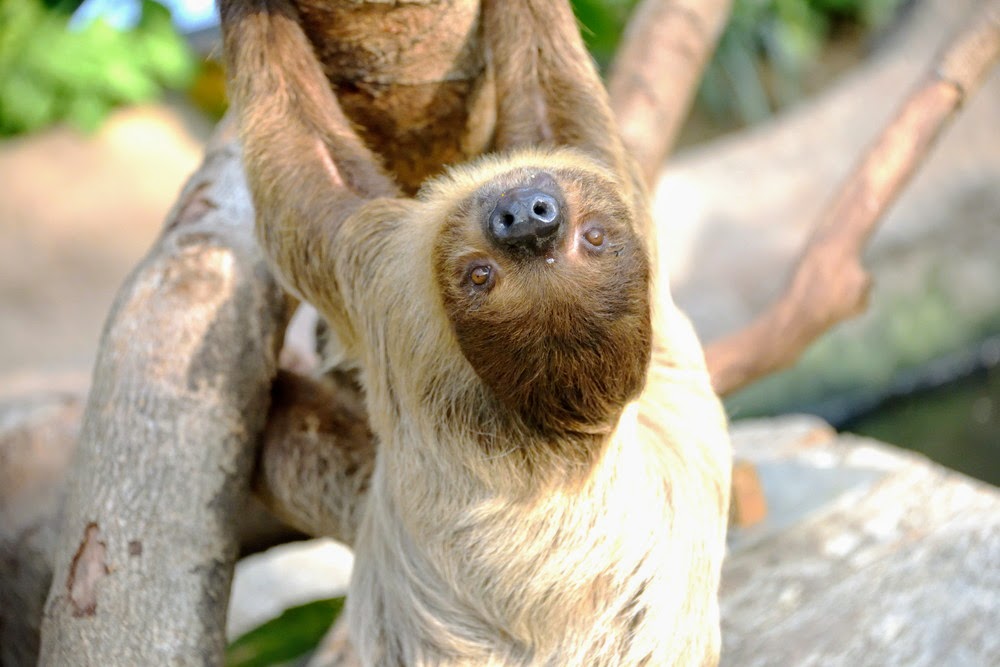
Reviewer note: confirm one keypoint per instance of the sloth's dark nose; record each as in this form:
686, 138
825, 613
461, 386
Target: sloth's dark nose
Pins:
526, 218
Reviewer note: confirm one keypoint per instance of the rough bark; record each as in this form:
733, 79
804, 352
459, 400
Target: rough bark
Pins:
36, 436
830, 284
874, 556
179, 397
656, 72
39, 425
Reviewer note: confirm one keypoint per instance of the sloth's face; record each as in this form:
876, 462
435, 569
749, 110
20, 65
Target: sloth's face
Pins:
547, 285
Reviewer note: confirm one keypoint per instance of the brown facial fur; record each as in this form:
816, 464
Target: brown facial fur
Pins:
563, 339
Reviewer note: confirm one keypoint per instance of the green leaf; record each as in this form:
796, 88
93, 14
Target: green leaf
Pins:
601, 24
154, 17
126, 83
64, 6
294, 633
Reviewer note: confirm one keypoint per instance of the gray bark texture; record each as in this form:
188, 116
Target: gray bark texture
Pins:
870, 555
37, 434
39, 427
180, 392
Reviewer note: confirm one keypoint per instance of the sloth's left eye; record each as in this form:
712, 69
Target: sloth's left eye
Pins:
480, 275
594, 236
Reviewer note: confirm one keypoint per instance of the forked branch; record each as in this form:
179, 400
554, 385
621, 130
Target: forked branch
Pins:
829, 283
656, 73
144, 559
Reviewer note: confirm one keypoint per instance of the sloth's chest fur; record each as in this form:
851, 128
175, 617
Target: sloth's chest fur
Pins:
588, 572
479, 547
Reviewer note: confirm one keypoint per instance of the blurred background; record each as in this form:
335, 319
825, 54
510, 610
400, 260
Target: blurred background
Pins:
105, 106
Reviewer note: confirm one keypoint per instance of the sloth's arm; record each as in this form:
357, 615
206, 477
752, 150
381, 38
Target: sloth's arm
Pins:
548, 89
307, 169
321, 208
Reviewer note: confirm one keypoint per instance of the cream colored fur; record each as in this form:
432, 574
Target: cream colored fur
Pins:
481, 542
468, 558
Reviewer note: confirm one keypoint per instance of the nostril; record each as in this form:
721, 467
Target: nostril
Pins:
507, 219
544, 209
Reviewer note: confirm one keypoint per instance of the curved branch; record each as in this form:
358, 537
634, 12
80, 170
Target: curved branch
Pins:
657, 70
179, 396
318, 455
829, 283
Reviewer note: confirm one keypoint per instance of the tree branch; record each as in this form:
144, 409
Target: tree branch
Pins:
36, 436
318, 455
179, 397
829, 283
316, 459
657, 70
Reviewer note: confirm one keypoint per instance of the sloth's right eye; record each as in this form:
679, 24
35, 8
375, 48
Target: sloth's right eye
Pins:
480, 275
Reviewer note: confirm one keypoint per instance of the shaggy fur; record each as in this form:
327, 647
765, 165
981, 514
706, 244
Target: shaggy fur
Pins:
552, 476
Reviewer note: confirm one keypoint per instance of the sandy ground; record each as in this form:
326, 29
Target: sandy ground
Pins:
76, 214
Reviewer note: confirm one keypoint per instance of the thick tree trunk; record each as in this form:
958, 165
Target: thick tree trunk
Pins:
39, 427
179, 397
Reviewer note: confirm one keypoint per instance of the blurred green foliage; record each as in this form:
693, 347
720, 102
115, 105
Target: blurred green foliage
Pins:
51, 71
297, 631
780, 38
602, 22
763, 53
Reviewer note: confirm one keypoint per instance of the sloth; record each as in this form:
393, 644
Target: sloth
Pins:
417, 113
551, 475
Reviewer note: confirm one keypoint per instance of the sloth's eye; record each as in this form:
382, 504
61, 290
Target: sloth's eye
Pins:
594, 236
480, 275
